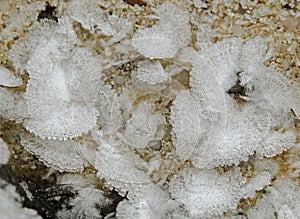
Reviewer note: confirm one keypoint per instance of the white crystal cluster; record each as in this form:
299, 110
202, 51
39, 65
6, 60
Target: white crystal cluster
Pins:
173, 149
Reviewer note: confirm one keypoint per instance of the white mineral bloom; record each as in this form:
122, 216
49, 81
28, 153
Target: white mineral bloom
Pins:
8, 79
121, 168
149, 202
87, 204
164, 39
62, 90
20, 18
186, 123
142, 126
92, 16
4, 152
232, 133
12, 105
282, 199
151, 73
206, 193
66, 155
11, 206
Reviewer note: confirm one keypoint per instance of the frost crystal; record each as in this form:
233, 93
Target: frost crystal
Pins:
94, 16
219, 62
275, 143
231, 133
282, 199
7, 78
186, 121
21, 18
4, 152
206, 193
154, 102
11, 206
61, 155
142, 126
59, 72
121, 168
150, 202
164, 39
87, 204
12, 105
272, 91
151, 73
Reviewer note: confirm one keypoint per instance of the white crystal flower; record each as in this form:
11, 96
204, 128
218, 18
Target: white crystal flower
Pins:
206, 193
63, 87
66, 155
4, 152
165, 38
151, 73
7, 78
11, 206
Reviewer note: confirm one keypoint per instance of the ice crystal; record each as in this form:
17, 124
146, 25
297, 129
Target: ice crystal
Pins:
87, 204
12, 105
164, 39
94, 16
147, 100
150, 202
233, 133
275, 143
273, 91
186, 126
121, 168
282, 199
205, 36
11, 206
61, 155
4, 152
7, 78
59, 72
142, 126
206, 193
151, 73
20, 18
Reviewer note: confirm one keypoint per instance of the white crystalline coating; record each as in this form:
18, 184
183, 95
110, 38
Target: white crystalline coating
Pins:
269, 85
62, 90
151, 73
87, 204
7, 78
275, 143
12, 105
205, 36
282, 199
142, 126
60, 155
164, 39
149, 202
186, 123
233, 133
206, 193
20, 18
4, 152
11, 206
214, 71
221, 61
94, 16
272, 90
229, 141
86, 12
120, 168
39, 35
104, 105
254, 53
